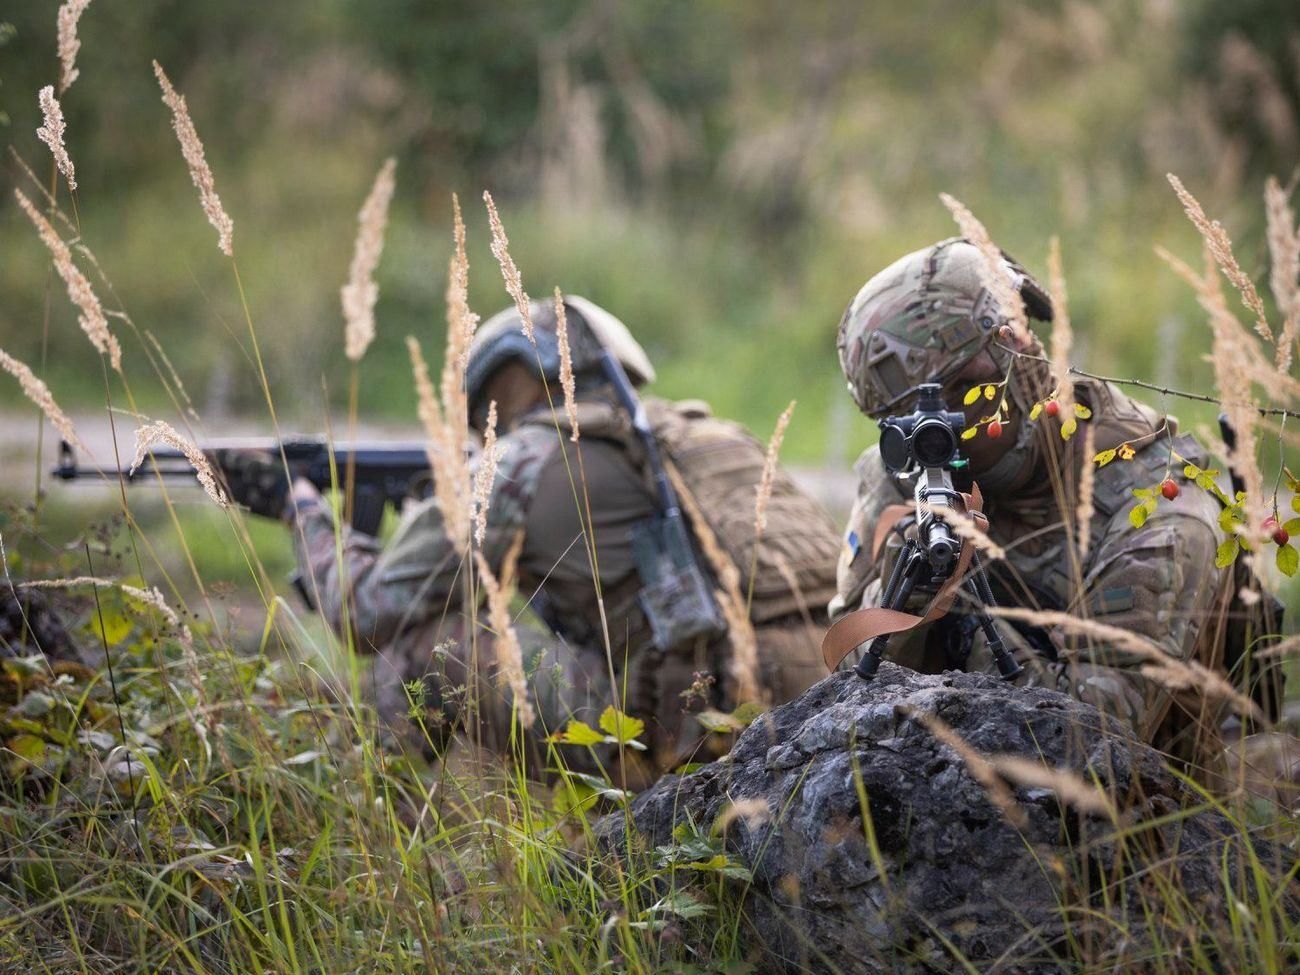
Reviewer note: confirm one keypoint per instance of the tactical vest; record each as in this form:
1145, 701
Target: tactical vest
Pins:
722, 466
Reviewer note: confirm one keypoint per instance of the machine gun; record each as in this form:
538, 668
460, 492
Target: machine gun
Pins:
924, 444
379, 473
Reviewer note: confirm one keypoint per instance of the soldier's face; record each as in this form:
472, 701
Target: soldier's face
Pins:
982, 451
516, 390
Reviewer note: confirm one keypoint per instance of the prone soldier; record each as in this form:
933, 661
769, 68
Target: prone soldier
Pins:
928, 318
406, 600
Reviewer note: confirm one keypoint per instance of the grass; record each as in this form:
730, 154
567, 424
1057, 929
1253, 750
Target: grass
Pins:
229, 808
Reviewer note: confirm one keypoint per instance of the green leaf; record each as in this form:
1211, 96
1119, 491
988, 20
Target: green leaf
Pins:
1104, 458
1205, 480
1295, 502
1288, 559
682, 904
1292, 526
972, 395
1227, 553
600, 786
1229, 519
1144, 492
1138, 516
577, 733
621, 727
1035, 410
1191, 471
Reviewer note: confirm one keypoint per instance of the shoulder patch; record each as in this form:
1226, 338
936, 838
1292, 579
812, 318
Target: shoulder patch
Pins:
852, 545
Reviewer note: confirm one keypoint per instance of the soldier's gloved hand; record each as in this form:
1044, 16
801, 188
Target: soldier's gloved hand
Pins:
303, 496
256, 480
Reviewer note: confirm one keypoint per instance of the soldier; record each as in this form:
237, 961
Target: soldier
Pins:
406, 600
928, 318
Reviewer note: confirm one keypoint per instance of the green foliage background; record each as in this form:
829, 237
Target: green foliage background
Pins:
723, 175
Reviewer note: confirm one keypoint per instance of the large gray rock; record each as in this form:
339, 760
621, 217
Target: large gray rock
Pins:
952, 876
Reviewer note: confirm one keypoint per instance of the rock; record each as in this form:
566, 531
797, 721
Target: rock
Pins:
30, 623
951, 875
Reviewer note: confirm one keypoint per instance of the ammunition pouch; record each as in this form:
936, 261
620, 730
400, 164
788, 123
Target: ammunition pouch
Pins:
675, 595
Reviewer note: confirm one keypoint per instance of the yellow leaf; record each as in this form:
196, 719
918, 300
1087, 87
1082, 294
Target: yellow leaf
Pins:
620, 726
111, 627
1126, 452
990, 392
1036, 409
969, 432
577, 733
1068, 428
1104, 458
1082, 412
1138, 516
971, 396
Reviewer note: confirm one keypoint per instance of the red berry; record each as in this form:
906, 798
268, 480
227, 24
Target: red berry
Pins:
1169, 489
995, 429
1275, 531
1052, 408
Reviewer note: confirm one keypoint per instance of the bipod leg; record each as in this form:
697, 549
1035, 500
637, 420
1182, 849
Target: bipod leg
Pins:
977, 583
907, 573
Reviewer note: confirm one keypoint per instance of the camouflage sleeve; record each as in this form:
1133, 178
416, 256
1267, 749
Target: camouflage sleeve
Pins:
1158, 581
418, 574
858, 573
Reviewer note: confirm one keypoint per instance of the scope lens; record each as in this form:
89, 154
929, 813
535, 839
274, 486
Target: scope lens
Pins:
933, 443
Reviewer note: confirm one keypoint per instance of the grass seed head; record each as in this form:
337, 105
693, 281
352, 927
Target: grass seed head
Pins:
1284, 267
763, 494
200, 172
68, 42
1220, 244
993, 269
36, 391
1062, 338
361, 292
567, 382
51, 133
160, 430
509, 654
92, 319
514, 282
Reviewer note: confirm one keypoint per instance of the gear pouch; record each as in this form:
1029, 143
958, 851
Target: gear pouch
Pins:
675, 595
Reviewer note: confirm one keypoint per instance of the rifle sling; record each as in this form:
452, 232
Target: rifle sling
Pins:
859, 627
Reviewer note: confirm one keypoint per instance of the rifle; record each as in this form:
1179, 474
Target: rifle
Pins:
380, 473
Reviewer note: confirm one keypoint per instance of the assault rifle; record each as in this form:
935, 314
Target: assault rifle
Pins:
379, 473
923, 444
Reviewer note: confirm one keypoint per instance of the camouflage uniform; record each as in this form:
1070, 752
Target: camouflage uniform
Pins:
405, 599
916, 320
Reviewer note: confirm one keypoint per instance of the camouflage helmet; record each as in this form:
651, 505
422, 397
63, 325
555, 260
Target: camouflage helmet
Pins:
591, 330
922, 319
